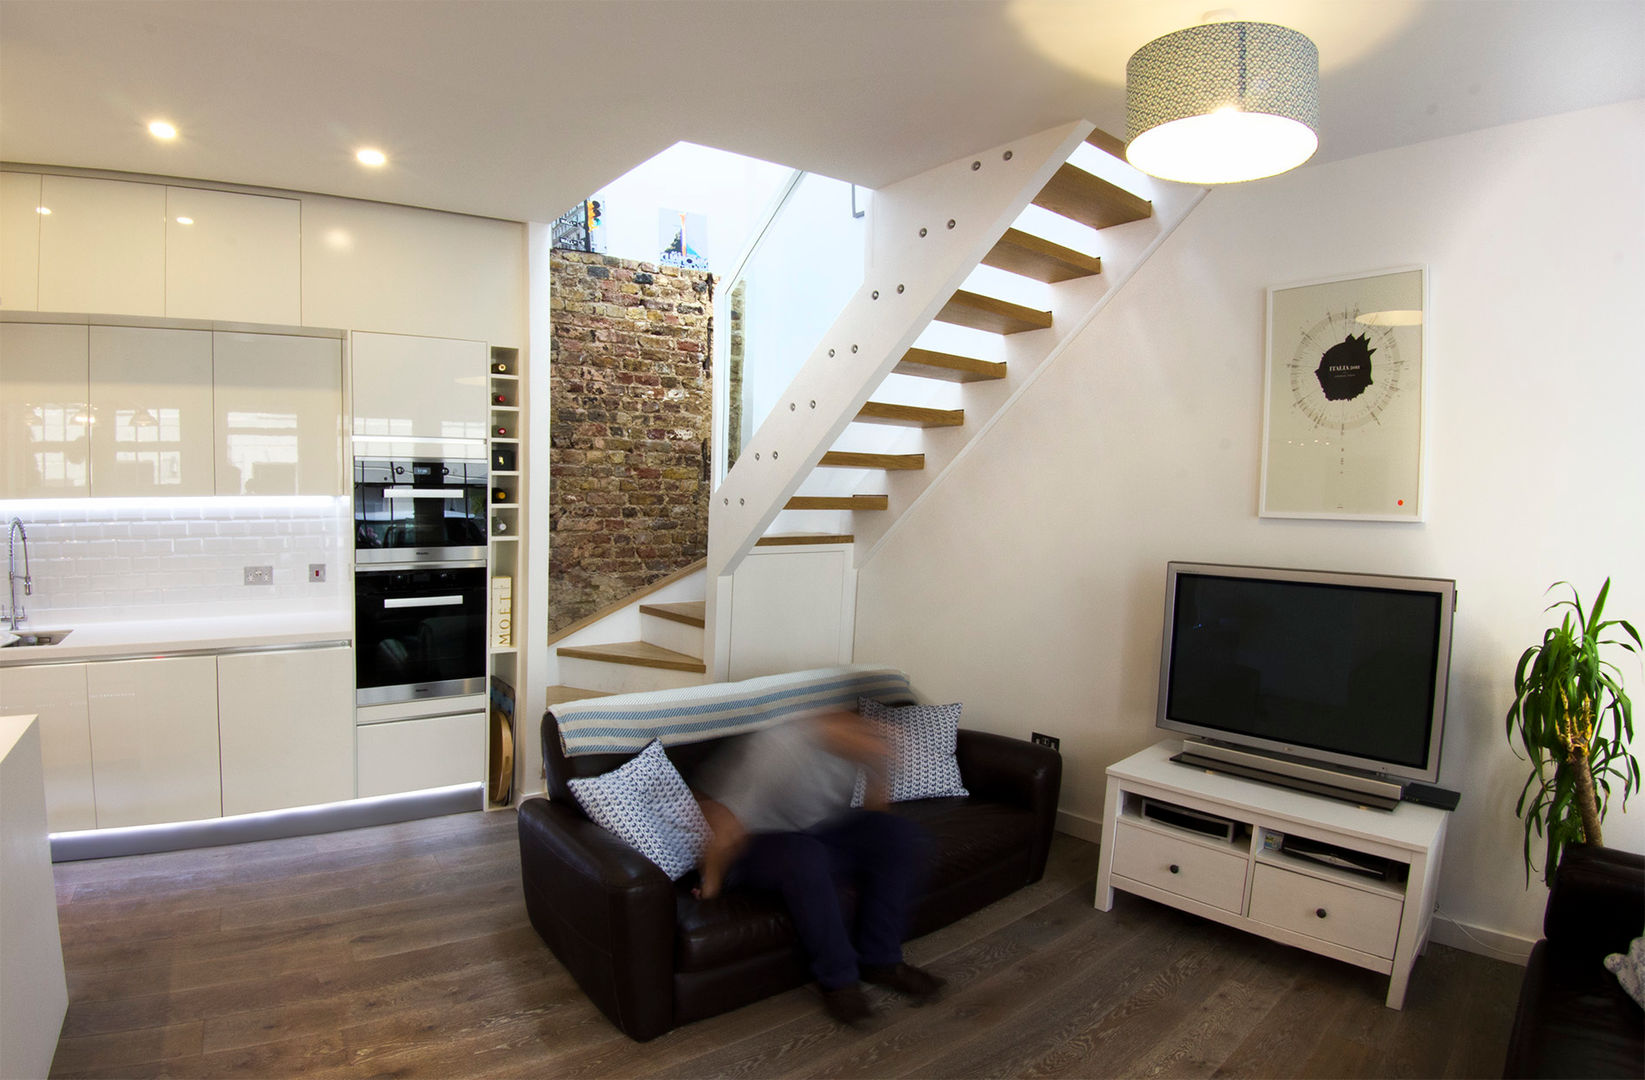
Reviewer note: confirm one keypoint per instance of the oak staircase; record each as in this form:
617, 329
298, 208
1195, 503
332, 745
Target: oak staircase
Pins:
932, 349
1072, 193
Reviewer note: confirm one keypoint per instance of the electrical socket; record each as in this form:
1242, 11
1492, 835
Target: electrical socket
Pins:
316, 571
1050, 741
259, 575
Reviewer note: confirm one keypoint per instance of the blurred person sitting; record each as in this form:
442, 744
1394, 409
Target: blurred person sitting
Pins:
779, 804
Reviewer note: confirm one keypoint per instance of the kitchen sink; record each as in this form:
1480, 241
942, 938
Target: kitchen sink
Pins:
35, 637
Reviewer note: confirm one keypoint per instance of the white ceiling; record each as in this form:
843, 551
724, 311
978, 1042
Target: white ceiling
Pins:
518, 108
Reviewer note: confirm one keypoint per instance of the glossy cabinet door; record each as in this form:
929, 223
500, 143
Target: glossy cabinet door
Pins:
154, 751
413, 755
420, 396
279, 414
286, 725
152, 412
103, 246
233, 257
45, 425
20, 241
57, 694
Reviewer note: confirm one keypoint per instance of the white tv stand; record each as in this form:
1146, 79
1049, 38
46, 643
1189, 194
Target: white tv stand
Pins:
1239, 880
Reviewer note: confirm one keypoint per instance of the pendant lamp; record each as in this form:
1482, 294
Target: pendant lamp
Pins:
1222, 102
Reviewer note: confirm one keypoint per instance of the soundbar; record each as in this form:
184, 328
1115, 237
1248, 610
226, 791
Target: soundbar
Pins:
1297, 775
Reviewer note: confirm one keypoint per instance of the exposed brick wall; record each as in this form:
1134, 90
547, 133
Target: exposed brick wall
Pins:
629, 390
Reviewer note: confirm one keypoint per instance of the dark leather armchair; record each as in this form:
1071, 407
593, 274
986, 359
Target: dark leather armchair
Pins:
1574, 1019
652, 956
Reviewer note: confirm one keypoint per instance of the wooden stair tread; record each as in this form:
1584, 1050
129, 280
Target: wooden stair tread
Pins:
689, 612
1108, 144
800, 539
1091, 200
992, 314
838, 502
950, 367
1038, 258
884, 412
848, 459
636, 653
559, 695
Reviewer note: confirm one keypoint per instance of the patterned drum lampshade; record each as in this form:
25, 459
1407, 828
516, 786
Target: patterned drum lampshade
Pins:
1222, 102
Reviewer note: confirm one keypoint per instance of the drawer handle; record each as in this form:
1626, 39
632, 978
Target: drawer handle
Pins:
1319, 912
1175, 869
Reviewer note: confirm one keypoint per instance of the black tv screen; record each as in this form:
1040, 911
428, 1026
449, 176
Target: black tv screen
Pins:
1347, 669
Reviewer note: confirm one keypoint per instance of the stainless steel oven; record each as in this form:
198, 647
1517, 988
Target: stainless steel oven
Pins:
420, 632
419, 510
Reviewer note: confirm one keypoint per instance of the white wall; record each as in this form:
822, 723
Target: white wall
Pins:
1029, 585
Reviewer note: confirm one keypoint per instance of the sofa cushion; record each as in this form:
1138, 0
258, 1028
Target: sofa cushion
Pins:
646, 803
969, 836
736, 924
922, 749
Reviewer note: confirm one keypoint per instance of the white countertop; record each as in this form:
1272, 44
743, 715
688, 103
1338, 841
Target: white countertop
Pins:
158, 637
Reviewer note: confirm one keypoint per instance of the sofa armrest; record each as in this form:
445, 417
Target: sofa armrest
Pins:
1016, 772
1595, 903
605, 910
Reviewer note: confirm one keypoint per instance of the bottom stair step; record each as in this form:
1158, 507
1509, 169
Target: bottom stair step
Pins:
637, 654
559, 695
796, 539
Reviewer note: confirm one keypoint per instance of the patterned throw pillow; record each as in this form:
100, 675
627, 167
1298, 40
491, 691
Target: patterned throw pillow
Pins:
922, 748
645, 802
1629, 969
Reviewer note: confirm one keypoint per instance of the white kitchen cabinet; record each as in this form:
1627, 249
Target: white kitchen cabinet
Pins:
154, 752
103, 246
20, 241
152, 411
286, 726
57, 694
421, 396
395, 269
279, 414
411, 755
233, 257
44, 424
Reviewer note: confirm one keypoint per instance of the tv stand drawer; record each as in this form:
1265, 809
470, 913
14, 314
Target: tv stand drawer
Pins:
1180, 866
1352, 918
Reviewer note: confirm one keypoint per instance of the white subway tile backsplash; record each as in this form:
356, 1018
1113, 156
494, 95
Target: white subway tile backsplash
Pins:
97, 561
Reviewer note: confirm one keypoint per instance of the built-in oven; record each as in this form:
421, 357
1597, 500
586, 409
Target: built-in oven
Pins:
420, 632
419, 510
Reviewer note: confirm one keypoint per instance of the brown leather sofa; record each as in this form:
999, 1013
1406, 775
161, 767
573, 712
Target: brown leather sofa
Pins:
652, 956
1574, 1018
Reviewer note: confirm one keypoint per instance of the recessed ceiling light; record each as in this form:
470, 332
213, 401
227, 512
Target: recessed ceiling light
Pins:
185, 221
42, 209
162, 130
371, 157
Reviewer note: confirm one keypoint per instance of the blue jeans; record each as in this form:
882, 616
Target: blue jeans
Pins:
881, 855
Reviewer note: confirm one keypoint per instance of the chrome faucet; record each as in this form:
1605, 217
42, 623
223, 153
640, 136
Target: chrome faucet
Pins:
13, 534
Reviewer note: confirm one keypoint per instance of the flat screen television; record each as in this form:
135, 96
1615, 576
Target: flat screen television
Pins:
1346, 670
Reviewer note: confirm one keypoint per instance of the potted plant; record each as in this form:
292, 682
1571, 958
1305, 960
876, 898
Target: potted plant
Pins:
1574, 721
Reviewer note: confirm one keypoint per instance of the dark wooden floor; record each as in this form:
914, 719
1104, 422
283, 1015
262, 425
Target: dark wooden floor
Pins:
405, 951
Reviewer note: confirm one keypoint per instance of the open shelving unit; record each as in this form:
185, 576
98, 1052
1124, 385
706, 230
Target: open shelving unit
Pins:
506, 557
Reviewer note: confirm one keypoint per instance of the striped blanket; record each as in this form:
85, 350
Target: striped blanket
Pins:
625, 723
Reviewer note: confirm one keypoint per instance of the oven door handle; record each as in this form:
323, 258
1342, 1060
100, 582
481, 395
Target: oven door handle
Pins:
422, 601
423, 493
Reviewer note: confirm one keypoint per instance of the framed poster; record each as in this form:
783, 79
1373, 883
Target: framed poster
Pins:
1344, 414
